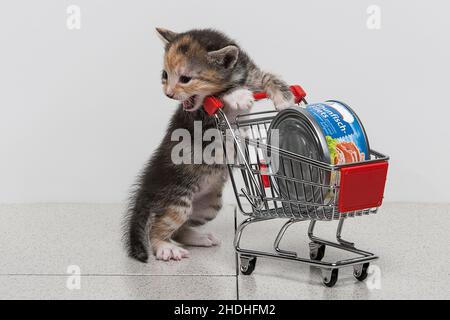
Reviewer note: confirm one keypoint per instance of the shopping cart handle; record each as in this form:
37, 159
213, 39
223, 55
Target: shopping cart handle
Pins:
212, 104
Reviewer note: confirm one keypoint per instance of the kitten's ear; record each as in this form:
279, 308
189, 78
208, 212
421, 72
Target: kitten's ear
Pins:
226, 57
165, 35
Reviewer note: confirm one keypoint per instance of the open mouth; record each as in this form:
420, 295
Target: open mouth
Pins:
189, 103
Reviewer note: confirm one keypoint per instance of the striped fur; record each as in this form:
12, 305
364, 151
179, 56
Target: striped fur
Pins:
170, 200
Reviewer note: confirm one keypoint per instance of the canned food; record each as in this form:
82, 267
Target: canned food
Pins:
344, 133
329, 132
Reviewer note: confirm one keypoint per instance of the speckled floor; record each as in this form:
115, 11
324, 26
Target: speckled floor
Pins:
43, 246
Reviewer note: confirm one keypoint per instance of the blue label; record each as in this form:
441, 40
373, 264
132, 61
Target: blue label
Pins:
344, 135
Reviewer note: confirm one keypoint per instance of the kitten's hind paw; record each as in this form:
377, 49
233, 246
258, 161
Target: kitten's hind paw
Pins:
204, 240
191, 237
240, 99
168, 251
214, 240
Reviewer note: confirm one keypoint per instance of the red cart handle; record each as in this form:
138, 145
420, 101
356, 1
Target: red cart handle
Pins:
212, 104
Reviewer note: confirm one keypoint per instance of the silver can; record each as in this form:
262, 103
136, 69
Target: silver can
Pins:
328, 132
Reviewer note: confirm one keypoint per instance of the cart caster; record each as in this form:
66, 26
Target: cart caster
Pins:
247, 265
330, 277
360, 271
316, 251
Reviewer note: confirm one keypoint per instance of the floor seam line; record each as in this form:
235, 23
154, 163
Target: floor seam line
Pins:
115, 275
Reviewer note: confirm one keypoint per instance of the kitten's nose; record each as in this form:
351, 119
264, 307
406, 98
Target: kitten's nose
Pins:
170, 95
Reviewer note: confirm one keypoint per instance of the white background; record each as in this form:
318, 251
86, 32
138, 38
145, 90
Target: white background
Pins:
82, 110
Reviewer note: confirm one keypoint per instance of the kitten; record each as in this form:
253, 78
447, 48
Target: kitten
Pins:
169, 199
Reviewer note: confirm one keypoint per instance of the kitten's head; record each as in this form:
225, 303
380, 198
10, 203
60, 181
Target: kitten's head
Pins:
197, 64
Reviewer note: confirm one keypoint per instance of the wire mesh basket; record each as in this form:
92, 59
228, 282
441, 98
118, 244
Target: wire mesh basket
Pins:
275, 183
300, 188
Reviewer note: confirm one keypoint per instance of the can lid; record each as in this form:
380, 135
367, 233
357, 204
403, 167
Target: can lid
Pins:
299, 133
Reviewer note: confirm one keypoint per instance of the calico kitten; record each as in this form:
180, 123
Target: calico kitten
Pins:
169, 199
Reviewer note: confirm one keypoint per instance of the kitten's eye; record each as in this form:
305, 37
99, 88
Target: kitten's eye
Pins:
164, 75
185, 79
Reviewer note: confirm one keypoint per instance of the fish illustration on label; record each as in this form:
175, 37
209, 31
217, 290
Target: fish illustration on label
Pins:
343, 131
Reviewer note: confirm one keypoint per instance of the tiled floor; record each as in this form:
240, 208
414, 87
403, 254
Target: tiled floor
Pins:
39, 242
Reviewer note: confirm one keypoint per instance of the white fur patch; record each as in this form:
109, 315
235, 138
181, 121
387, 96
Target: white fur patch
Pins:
281, 103
168, 251
240, 99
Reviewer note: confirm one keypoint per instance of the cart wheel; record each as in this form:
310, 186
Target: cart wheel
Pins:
330, 278
247, 265
317, 251
360, 272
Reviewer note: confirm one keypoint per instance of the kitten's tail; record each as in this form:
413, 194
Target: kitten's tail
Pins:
135, 233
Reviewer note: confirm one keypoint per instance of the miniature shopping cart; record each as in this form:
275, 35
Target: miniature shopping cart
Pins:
337, 192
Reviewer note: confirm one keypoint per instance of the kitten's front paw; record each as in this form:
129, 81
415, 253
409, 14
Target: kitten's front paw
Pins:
282, 104
240, 99
168, 251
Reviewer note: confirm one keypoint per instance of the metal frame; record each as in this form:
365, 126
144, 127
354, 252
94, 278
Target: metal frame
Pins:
266, 203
